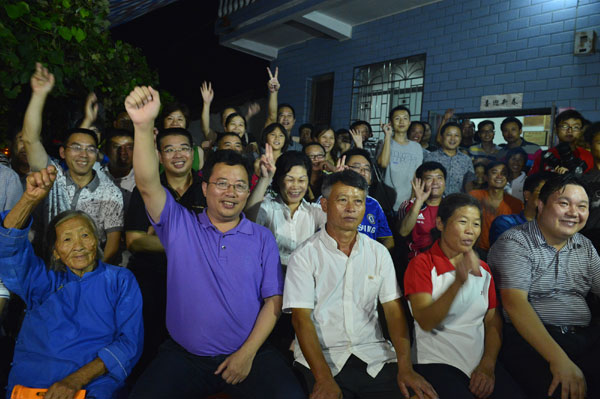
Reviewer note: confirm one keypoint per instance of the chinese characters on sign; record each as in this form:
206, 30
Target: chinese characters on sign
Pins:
501, 101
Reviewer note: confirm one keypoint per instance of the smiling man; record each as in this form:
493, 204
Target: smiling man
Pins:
545, 269
494, 202
224, 278
458, 165
333, 283
79, 187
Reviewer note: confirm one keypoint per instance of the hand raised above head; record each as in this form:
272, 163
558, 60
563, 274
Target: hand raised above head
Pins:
267, 163
207, 92
91, 107
273, 83
42, 81
40, 183
142, 105
357, 138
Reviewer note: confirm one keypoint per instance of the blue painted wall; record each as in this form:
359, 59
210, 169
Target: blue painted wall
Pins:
473, 48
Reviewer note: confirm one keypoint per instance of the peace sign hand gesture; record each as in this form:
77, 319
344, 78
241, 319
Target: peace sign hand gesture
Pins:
273, 83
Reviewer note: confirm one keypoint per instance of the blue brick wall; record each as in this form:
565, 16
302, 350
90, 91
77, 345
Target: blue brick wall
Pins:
472, 48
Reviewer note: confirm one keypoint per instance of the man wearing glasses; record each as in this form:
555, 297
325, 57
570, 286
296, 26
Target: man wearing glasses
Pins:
224, 279
569, 128
79, 187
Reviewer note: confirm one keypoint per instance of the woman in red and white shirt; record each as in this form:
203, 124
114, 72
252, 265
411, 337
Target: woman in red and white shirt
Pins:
458, 329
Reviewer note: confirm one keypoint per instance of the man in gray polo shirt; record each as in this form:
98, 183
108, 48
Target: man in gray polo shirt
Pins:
544, 270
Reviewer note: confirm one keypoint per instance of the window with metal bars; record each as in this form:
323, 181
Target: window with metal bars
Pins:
377, 88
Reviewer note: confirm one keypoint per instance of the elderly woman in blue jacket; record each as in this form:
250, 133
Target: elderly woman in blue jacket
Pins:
83, 328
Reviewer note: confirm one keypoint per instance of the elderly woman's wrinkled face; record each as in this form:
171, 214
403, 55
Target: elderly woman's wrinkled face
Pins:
76, 245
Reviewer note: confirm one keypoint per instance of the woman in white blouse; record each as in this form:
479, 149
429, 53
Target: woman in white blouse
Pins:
288, 215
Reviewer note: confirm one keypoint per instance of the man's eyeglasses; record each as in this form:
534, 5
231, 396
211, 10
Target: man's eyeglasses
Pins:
76, 148
574, 129
172, 150
224, 185
314, 157
360, 169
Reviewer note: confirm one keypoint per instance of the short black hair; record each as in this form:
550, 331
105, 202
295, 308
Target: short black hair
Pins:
356, 124
169, 108
591, 131
228, 157
452, 202
221, 136
306, 126
516, 151
311, 144
493, 164
398, 108
174, 131
511, 119
81, 130
233, 115
449, 125
358, 151
112, 133
347, 177
285, 163
532, 181
320, 130
428, 167
270, 129
568, 114
414, 123
283, 105
486, 122
558, 182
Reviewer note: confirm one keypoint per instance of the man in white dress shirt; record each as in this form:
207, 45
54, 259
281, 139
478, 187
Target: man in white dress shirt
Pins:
333, 284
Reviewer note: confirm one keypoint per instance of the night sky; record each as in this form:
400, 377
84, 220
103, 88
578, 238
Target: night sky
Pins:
178, 41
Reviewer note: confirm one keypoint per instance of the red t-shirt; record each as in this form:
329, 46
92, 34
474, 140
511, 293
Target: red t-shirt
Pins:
421, 233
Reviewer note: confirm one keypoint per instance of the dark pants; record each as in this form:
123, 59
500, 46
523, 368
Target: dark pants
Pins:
451, 383
532, 371
176, 373
355, 383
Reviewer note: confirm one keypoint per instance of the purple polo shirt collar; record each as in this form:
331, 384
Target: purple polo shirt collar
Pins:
243, 226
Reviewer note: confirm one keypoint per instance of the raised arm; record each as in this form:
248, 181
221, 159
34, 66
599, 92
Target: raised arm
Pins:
91, 111
383, 160
142, 105
267, 171
273, 86
422, 192
38, 186
207, 97
325, 386
42, 83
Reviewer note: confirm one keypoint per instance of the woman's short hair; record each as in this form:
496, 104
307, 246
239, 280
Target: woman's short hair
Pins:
285, 163
53, 262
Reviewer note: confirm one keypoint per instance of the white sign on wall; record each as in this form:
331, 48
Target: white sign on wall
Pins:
501, 101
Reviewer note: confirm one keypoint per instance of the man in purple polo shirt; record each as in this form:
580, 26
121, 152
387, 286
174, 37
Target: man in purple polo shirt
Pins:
224, 280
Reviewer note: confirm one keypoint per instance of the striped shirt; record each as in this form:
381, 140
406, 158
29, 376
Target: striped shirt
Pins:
557, 282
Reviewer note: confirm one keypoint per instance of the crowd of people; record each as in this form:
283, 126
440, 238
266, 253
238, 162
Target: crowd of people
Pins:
274, 265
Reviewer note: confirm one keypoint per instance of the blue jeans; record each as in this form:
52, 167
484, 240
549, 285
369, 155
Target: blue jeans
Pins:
176, 373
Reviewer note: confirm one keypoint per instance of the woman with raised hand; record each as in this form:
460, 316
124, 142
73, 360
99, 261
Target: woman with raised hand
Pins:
288, 215
458, 329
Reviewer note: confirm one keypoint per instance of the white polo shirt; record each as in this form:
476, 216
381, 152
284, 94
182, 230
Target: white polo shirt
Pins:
290, 231
343, 292
459, 339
